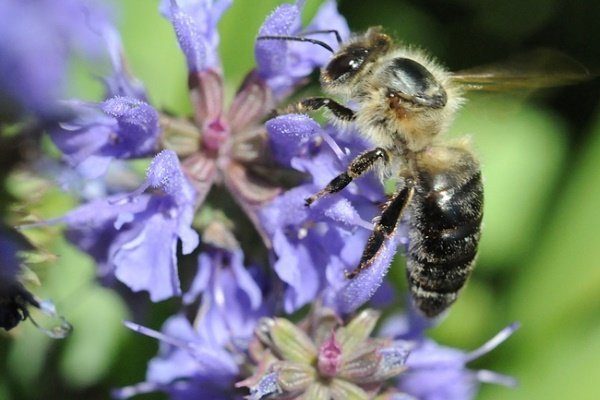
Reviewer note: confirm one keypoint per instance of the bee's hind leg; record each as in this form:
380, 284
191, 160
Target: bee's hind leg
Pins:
357, 167
384, 228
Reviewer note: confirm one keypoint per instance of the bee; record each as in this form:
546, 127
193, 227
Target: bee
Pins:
404, 102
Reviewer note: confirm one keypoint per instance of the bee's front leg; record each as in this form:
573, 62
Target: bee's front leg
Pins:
316, 103
339, 111
357, 167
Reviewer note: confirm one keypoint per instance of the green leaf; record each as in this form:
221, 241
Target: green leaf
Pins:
27, 357
94, 343
4, 393
566, 368
561, 283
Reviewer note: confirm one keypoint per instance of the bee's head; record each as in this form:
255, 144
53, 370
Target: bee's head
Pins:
351, 60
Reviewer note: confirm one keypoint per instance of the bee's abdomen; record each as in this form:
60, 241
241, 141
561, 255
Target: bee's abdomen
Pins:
444, 230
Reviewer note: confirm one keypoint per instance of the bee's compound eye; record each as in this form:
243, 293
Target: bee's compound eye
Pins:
346, 63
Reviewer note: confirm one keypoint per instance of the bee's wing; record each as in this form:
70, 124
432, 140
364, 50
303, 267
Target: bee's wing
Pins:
538, 69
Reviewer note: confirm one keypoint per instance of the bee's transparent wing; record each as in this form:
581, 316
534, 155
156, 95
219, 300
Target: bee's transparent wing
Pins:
535, 70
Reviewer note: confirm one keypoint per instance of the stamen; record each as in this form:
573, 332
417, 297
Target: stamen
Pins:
129, 391
486, 376
39, 224
334, 146
493, 342
364, 224
158, 335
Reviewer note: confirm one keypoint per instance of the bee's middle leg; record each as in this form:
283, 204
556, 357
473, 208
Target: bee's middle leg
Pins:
357, 167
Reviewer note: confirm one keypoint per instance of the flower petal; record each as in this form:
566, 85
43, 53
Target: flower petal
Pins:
360, 289
289, 135
191, 41
195, 24
145, 259
271, 54
165, 173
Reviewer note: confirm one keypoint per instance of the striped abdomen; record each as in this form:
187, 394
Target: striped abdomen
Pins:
444, 229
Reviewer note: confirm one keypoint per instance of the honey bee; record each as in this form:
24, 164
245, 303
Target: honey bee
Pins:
404, 101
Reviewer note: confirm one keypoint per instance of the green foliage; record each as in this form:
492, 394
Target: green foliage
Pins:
93, 347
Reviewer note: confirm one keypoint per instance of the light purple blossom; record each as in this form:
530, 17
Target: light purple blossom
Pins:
436, 372
187, 366
38, 39
232, 300
120, 127
284, 64
195, 24
200, 361
135, 237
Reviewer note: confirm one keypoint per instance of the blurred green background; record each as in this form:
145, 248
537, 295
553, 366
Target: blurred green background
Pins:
540, 252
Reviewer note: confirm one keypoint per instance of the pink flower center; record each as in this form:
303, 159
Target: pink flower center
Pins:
215, 134
330, 357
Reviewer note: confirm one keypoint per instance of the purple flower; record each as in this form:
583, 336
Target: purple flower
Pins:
38, 38
436, 372
283, 64
120, 127
187, 367
315, 245
200, 361
135, 237
195, 24
231, 141
231, 299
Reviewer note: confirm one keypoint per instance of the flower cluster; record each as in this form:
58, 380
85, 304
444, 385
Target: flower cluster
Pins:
241, 340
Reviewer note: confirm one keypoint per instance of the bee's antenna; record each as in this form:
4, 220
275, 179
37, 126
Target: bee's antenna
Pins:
334, 31
297, 39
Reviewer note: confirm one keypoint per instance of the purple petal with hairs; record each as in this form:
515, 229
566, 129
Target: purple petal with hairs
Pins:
359, 290
289, 135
